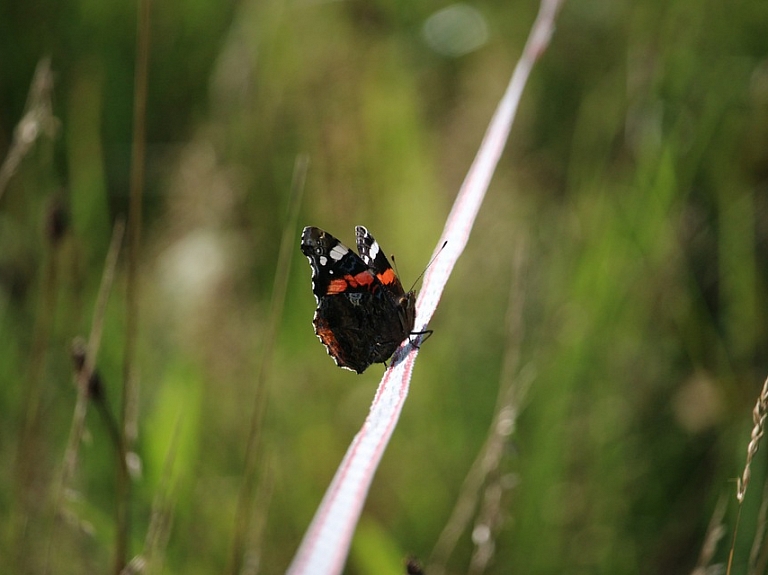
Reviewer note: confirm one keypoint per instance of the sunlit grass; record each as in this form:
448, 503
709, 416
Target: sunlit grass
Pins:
636, 176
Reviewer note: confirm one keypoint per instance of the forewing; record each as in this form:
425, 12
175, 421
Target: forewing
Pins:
335, 268
373, 256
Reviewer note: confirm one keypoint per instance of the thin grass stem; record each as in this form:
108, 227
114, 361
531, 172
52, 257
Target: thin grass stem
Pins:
253, 453
759, 415
512, 390
38, 119
83, 375
128, 413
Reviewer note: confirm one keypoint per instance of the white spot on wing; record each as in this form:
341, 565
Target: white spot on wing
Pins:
338, 252
323, 261
374, 251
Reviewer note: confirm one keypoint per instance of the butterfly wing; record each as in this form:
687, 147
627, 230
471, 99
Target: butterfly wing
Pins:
335, 268
373, 256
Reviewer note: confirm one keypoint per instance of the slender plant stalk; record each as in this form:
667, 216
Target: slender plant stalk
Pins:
715, 532
150, 561
27, 465
759, 415
82, 378
756, 562
253, 453
38, 119
512, 390
130, 385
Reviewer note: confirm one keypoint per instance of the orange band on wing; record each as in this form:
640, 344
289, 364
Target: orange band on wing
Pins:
340, 285
336, 286
388, 277
361, 279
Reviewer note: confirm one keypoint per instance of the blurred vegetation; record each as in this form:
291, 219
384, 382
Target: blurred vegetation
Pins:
636, 180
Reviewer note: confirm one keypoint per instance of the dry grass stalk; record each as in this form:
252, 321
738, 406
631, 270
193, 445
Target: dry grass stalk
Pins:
90, 352
152, 558
484, 484
254, 451
85, 356
757, 555
715, 532
130, 389
38, 119
759, 415
29, 457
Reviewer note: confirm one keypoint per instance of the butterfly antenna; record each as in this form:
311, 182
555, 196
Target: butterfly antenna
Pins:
445, 243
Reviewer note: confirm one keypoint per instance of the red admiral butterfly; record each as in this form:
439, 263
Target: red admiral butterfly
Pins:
363, 313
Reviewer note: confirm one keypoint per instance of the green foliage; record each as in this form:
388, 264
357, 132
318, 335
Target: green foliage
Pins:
635, 180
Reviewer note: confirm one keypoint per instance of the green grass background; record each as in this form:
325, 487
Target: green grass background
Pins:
636, 179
